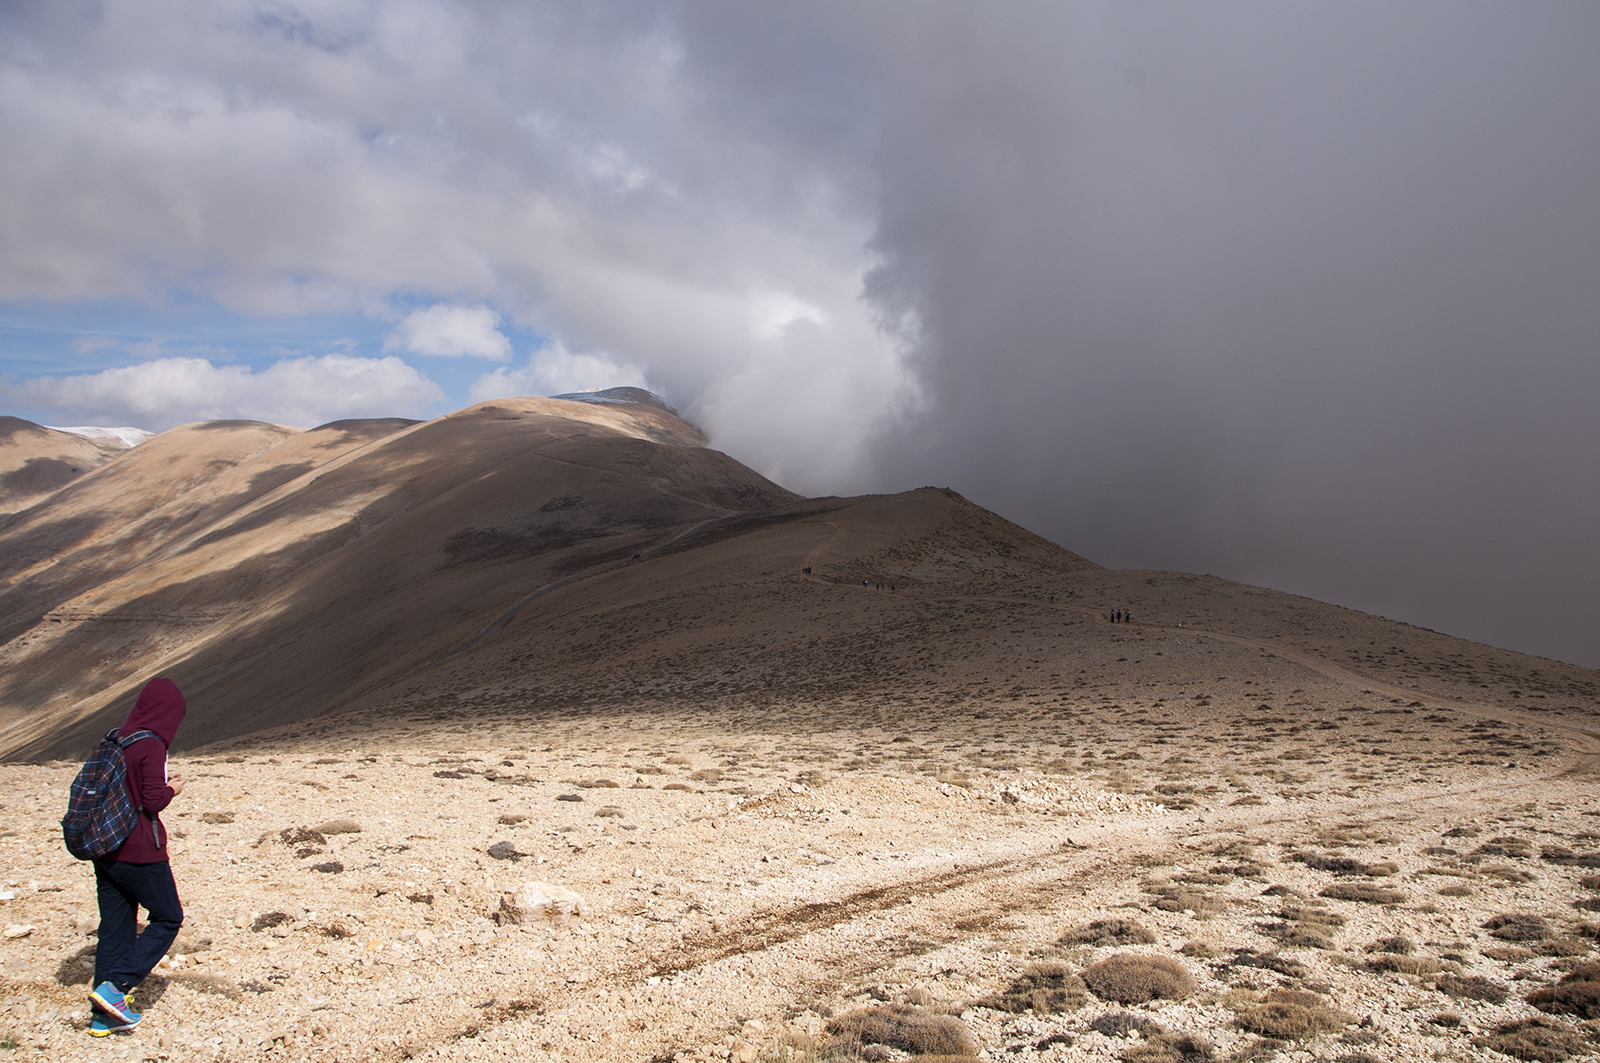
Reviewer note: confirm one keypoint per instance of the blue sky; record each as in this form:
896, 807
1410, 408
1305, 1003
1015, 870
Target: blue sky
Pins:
79, 339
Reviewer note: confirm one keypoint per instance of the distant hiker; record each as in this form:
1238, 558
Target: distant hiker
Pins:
1127, 617
137, 875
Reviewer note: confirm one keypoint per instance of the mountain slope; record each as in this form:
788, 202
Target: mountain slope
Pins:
35, 461
274, 571
537, 558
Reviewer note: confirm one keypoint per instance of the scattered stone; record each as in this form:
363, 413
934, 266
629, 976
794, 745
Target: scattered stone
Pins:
338, 826
505, 851
541, 902
329, 867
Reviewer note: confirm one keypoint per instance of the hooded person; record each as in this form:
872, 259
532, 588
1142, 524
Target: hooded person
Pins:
138, 875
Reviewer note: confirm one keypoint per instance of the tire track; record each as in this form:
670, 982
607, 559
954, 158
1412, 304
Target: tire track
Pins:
768, 931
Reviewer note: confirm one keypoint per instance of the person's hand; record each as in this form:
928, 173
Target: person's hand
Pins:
176, 782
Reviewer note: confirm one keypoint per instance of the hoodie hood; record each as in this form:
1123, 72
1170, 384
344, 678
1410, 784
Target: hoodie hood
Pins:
160, 708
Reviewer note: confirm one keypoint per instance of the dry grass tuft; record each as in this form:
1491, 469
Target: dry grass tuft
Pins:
1361, 891
1124, 1023
1590, 882
1269, 961
1535, 1040
1472, 987
1166, 1048
1415, 966
1129, 979
1183, 899
1292, 1015
1512, 926
1046, 988
1106, 933
1578, 993
902, 1026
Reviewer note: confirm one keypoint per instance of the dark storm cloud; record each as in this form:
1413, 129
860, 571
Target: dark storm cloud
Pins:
1302, 295
1297, 294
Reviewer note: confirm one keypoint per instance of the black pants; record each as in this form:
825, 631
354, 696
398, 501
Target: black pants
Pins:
122, 958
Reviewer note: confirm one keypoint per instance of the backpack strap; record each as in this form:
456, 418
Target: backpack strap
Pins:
139, 735
124, 743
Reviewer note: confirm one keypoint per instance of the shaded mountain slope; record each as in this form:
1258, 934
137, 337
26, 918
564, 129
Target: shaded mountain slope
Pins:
274, 571
35, 461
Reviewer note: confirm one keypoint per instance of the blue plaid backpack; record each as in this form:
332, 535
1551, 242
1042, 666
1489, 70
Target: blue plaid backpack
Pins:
100, 812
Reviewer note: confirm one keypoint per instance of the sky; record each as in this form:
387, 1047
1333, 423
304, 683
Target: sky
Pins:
1300, 294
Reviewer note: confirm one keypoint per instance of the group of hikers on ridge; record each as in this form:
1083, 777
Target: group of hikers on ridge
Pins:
1121, 616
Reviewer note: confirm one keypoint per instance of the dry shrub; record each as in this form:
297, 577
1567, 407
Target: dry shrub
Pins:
1505, 845
907, 1028
1047, 988
1509, 873
1201, 949
1578, 993
1340, 864
1472, 987
1124, 1023
1412, 965
268, 920
1166, 1048
1562, 946
1312, 915
1590, 882
1269, 961
1129, 979
1535, 1040
1180, 899
1511, 926
1361, 891
1560, 854
1292, 1015
1459, 889
1258, 1051
1295, 936
1587, 904
1106, 933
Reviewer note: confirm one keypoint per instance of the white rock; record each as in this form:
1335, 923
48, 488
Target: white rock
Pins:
17, 930
535, 902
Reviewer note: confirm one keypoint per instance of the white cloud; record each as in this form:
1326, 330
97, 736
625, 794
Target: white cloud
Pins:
554, 370
619, 180
451, 331
171, 391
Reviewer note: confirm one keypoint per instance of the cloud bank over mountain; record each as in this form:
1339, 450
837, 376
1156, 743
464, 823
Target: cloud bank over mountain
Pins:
1299, 295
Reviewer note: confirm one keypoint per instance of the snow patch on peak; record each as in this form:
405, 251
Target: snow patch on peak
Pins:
120, 438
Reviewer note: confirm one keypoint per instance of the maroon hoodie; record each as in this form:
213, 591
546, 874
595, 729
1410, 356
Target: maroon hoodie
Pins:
160, 708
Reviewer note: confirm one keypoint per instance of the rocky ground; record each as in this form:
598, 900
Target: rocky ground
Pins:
1320, 872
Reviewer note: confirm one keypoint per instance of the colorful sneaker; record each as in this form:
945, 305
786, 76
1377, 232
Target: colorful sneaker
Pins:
109, 999
100, 1025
